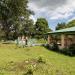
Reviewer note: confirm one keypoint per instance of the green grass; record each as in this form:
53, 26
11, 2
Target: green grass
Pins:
55, 64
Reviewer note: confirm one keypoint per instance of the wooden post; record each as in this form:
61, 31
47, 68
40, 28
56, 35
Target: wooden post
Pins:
74, 39
49, 39
63, 41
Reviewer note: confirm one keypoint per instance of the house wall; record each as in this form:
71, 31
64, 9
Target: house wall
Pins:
65, 39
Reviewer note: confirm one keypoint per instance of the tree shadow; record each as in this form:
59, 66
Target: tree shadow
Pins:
64, 51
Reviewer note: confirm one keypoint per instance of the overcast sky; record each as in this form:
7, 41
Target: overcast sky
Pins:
53, 10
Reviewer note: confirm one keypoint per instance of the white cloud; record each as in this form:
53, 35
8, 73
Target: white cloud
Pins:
32, 17
53, 9
64, 11
61, 13
48, 3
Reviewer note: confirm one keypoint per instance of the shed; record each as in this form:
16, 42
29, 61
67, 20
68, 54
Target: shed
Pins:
64, 37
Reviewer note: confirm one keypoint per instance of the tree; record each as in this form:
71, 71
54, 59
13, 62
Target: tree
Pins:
60, 26
70, 24
41, 27
27, 27
63, 25
11, 14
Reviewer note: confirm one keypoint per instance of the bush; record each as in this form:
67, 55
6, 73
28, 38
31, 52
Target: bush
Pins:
67, 51
46, 45
71, 50
64, 51
29, 72
55, 47
40, 60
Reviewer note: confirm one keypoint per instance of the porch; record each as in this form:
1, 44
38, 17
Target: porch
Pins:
63, 38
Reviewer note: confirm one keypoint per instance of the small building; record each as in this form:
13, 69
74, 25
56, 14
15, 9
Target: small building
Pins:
64, 37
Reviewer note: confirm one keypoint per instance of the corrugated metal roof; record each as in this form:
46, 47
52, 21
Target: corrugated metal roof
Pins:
71, 29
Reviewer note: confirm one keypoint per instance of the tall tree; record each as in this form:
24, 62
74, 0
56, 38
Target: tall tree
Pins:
28, 27
63, 25
71, 23
41, 26
12, 12
60, 26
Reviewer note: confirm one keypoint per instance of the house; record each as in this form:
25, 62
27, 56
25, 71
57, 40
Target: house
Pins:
64, 37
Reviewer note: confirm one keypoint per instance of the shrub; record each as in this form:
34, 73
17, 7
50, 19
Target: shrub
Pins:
64, 51
40, 60
29, 72
71, 50
55, 47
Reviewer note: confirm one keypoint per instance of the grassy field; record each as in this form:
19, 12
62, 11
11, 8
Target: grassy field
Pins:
20, 61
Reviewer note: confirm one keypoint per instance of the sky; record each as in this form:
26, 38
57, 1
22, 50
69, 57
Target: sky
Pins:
55, 11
